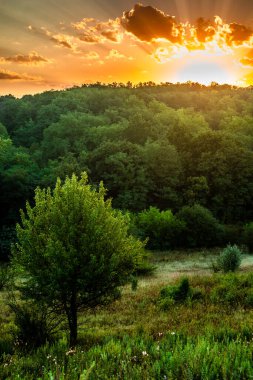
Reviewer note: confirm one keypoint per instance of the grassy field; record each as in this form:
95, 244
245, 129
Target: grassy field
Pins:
134, 338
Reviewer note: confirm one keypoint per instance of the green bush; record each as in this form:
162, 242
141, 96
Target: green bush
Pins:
33, 326
174, 293
162, 228
247, 236
230, 259
233, 290
202, 229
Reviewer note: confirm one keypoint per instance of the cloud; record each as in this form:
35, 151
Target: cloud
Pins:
238, 34
148, 23
82, 25
95, 31
31, 59
90, 38
115, 54
248, 59
59, 39
205, 30
10, 75
92, 55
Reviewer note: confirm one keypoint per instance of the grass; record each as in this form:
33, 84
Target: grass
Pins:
112, 336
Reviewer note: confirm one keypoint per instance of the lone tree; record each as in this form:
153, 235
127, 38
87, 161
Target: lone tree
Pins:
74, 249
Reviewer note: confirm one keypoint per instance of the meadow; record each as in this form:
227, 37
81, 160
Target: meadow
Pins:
209, 337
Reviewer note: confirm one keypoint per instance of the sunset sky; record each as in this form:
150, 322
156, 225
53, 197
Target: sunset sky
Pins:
53, 44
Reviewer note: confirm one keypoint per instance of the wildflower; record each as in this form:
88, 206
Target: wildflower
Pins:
144, 353
173, 333
71, 352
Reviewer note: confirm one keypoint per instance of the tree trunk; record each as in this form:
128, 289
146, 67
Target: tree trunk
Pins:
72, 320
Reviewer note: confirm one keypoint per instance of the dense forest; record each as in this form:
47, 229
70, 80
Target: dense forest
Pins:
160, 146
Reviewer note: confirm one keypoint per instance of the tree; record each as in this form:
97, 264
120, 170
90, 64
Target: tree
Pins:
74, 249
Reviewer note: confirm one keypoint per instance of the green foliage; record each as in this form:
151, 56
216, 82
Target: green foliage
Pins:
5, 276
247, 236
230, 259
130, 358
162, 228
33, 327
233, 291
74, 249
174, 293
202, 229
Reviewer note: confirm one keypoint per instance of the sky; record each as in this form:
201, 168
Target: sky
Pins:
56, 44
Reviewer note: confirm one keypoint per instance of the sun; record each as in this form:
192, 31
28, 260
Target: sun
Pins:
204, 71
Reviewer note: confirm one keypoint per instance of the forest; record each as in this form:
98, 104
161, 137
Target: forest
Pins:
167, 147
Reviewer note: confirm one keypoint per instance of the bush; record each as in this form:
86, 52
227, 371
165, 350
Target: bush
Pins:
202, 229
233, 290
248, 236
230, 259
33, 326
174, 293
162, 228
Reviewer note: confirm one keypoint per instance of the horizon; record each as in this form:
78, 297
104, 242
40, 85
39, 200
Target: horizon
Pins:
211, 85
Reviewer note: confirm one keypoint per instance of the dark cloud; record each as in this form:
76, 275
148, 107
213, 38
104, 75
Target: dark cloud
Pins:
61, 41
111, 35
205, 29
148, 23
9, 75
29, 59
238, 34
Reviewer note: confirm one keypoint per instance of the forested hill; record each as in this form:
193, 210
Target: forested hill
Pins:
163, 146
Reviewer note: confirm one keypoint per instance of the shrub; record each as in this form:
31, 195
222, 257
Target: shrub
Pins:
248, 236
202, 229
33, 326
162, 228
233, 290
174, 293
230, 259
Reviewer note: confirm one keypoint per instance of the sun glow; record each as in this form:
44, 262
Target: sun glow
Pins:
204, 71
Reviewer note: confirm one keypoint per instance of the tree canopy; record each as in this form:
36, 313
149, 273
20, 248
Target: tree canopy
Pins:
74, 249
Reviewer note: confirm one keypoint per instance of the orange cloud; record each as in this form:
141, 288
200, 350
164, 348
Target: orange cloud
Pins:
205, 30
95, 31
248, 59
10, 75
32, 59
115, 54
150, 24
238, 34
59, 39
92, 55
